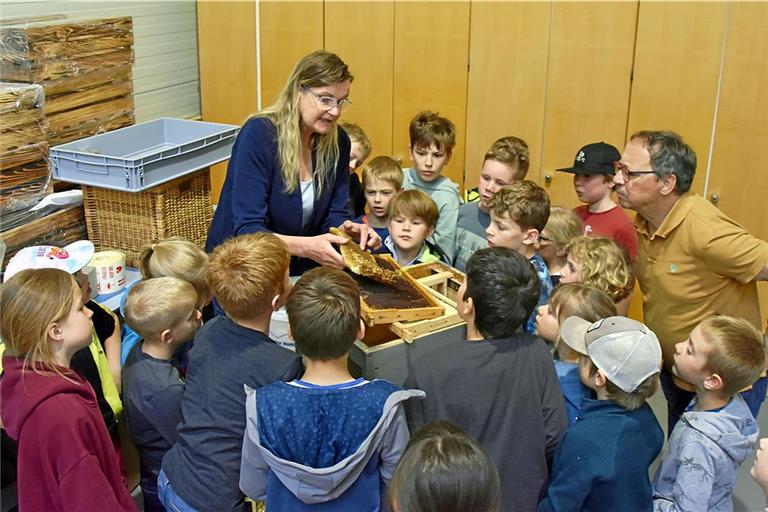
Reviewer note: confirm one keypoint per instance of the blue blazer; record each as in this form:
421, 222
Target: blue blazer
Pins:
253, 197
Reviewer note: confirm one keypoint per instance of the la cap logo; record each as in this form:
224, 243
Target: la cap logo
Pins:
595, 325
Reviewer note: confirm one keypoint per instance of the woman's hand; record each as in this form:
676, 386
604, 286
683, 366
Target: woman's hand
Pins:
366, 235
319, 249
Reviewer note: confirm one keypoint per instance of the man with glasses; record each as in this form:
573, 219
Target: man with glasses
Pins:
692, 259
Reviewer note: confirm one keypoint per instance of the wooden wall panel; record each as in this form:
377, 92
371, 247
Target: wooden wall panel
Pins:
227, 42
588, 85
677, 64
362, 33
288, 30
738, 173
430, 60
508, 47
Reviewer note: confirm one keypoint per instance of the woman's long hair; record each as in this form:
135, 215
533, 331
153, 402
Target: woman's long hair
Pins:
318, 69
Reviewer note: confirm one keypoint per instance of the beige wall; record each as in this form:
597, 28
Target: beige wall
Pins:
558, 74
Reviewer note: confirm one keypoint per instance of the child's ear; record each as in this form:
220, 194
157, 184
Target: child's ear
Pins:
467, 308
54, 332
276, 302
713, 383
166, 336
431, 231
600, 379
531, 236
361, 330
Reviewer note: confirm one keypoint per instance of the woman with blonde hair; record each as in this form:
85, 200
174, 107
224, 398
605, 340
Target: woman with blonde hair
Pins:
289, 170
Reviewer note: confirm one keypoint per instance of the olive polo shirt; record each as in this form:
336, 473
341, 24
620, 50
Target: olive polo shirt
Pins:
697, 262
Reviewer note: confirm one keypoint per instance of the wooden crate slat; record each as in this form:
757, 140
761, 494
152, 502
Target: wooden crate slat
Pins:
60, 228
44, 40
82, 81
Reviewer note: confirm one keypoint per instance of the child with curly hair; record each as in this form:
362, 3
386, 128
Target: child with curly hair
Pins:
602, 263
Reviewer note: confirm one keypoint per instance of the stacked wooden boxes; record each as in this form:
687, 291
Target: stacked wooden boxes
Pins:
84, 67
70, 79
24, 170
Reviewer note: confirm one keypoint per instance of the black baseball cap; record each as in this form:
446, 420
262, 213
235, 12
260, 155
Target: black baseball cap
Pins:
595, 158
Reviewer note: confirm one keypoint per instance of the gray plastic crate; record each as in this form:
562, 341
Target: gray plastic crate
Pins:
144, 155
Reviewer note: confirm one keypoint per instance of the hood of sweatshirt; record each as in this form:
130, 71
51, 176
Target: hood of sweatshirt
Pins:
318, 485
440, 185
22, 391
733, 428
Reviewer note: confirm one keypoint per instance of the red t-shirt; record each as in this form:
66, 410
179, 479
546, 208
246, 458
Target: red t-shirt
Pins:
614, 223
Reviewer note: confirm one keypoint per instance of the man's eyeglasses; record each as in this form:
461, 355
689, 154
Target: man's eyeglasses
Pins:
329, 102
627, 173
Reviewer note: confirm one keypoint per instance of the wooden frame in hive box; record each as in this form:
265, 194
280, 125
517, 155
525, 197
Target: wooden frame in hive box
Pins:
384, 304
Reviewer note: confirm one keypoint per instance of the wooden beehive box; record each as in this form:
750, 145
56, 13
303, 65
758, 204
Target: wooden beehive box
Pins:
405, 299
24, 170
386, 349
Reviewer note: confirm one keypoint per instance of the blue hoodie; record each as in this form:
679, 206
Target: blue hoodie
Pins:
705, 451
309, 447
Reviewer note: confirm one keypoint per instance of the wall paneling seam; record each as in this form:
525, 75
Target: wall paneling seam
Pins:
717, 99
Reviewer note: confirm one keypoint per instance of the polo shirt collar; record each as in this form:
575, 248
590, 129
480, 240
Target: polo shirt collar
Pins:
674, 218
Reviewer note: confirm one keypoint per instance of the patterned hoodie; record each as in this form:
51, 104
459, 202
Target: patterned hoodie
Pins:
705, 451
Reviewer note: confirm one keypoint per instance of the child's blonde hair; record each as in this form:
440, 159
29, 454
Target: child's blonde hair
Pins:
415, 203
356, 134
160, 303
738, 353
30, 302
604, 265
578, 299
512, 152
524, 202
562, 226
176, 257
246, 272
429, 128
384, 168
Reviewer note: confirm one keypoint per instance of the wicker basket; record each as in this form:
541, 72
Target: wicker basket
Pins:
130, 220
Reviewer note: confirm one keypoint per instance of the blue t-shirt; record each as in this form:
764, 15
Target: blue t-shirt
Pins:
382, 232
573, 390
152, 391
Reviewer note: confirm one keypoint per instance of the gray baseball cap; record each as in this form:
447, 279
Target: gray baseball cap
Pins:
627, 351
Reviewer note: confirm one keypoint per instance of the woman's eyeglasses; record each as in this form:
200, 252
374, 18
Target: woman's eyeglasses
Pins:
329, 102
